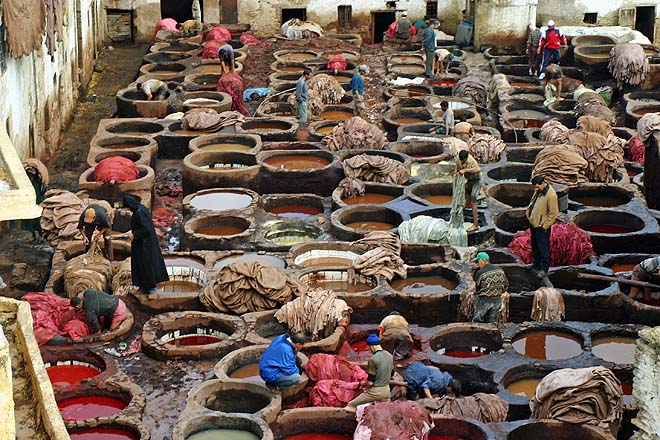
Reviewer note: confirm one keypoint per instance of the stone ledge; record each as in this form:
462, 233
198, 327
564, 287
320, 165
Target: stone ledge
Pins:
20, 201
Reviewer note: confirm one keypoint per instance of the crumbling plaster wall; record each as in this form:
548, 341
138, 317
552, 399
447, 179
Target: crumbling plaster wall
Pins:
38, 94
503, 23
646, 386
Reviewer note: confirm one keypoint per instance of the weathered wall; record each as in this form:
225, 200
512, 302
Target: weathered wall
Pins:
646, 387
503, 23
7, 424
37, 94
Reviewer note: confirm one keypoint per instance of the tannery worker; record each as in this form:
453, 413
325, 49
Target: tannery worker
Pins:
147, 263
153, 88
643, 272
102, 311
425, 381
542, 212
277, 366
403, 26
395, 335
492, 283
447, 125
189, 26
379, 371
469, 167
553, 83
94, 224
533, 41
428, 45
357, 89
302, 95
551, 40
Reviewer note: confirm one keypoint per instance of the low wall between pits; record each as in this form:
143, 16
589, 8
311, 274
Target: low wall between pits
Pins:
646, 385
7, 428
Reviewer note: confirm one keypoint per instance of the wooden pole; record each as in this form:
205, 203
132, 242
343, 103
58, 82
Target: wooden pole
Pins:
590, 276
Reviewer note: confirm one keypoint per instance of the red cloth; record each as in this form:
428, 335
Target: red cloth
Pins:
250, 40
218, 33
569, 245
337, 62
167, 24
636, 149
405, 420
328, 366
117, 169
52, 315
334, 393
210, 51
391, 31
232, 84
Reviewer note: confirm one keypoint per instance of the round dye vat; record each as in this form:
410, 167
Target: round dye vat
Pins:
603, 201
319, 437
221, 230
70, 374
178, 286
410, 120
370, 199
189, 340
121, 146
427, 284
89, 407
527, 118
295, 211
465, 354
266, 125
246, 372
184, 262
607, 229
627, 393
265, 260
103, 434
209, 68
220, 201
645, 111
444, 200
298, 162
340, 286
226, 146
443, 83
327, 262
547, 345
617, 268
371, 226
336, 115
617, 349
525, 387
223, 434
189, 132
325, 130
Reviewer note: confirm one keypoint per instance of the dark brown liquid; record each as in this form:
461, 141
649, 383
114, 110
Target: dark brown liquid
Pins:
189, 132
409, 120
523, 84
623, 267
188, 340
620, 350
370, 198
121, 146
645, 111
266, 125
220, 201
410, 92
246, 371
444, 200
298, 162
336, 115
134, 133
221, 230
291, 69
547, 345
264, 260
607, 229
371, 226
226, 146
178, 286
599, 201
293, 211
525, 387
340, 286
298, 56
423, 284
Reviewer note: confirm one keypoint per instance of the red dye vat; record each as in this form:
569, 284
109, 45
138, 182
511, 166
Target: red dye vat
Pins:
627, 395
69, 374
440, 437
80, 408
443, 83
654, 302
359, 346
465, 354
186, 341
607, 229
319, 437
103, 434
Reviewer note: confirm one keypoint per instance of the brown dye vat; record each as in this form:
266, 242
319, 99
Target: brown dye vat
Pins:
409, 120
598, 201
617, 349
220, 230
326, 130
627, 395
523, 84
408, 68
221, 201
249, 371
121, 146
371, 226
409, 92
295, 211
226, 146
623, 267
184, 261
439, 199
264, 260
178, 286
525, 387
328, 262
645, 111
369, 198
336, 115
291, 69
189, 132
547, 345
210, 68
339, 286
425, 284
298, 162
298, 56
270, 125
405, 59
527, 123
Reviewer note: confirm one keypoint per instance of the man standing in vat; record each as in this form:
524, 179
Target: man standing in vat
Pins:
551, 40
469, 167
357, 90
542, 213
428, 45
492, 284
379, 373
302, 95
644, 271
277, 366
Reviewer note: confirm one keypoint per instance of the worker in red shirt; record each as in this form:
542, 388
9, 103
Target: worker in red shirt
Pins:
551, 40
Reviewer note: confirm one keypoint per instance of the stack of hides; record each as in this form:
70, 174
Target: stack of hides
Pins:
90, 270
548, 305
336, 380
52, 316
554, 132
628, 64
232, 84
647, 125
378, 169
569, 245
485, 148
486, 408
116, 169
382, 256
122, 282
323, 90
355, 133
561, 164
405, 420
472, 87
210, 121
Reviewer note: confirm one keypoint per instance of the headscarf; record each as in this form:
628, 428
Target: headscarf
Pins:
131, 201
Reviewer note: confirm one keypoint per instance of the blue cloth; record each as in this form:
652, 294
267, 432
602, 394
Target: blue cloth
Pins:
302, 111
302, 89
278, 360
287, 381
373, 339
420, 376
429, 39
357, 84
261, 91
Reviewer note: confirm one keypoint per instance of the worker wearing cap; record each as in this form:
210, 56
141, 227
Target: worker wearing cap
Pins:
94, 224
379, 373
491, 284
357, 89
551, 40
403, 26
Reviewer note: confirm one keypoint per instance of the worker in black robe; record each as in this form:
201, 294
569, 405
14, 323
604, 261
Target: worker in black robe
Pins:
147, 263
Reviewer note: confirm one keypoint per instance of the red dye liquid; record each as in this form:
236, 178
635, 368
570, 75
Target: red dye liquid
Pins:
319, 437
359, 346
607, 229
465, 354
80, 408
443, 83
103, 434
69, 374
627, 395
631, 172
185, 341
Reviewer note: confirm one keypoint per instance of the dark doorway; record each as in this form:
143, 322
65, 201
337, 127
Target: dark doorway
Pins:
380, 21
180, 10
645, 21
289, 13
229, 11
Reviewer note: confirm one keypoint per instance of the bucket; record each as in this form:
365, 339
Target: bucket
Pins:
463, 35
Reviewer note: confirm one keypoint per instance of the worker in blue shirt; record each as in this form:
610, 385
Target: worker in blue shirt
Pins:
302, 95
357, 90
428, 45
277, 366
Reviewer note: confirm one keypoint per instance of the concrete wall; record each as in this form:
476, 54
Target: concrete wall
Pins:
503, 23
7, 423
646, 387
37, 94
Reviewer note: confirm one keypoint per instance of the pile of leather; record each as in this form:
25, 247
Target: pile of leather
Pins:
555, 132
472, 87
90, 270
116, 169
392, 420
232, 84
647, 125
247, 286
569, 245
210, 121
591, 103
382, 256
323, 90
337, 381
378, 169
316, 312
122, 282
355, 133
486, 408
548, 305
628, 64
485, 147
603, 154
351, 188
561, 163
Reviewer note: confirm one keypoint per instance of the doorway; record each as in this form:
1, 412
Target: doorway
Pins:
380, 21
180, 10
289, 13
229, 11
645, 21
